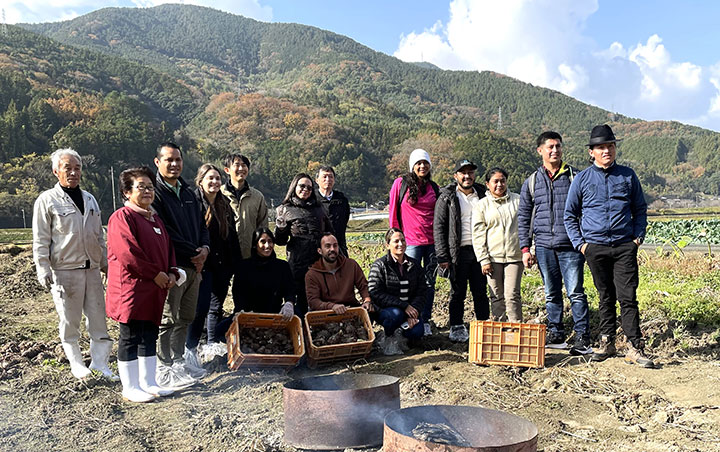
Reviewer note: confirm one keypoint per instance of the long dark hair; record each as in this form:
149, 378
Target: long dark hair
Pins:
416, 186
219, 208
291, 190
257, 233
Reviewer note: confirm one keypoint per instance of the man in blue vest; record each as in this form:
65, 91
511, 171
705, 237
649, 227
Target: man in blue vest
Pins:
606, 218
540, 216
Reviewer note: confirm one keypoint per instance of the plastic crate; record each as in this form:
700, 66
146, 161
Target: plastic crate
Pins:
339, 352
505, 343
237, 359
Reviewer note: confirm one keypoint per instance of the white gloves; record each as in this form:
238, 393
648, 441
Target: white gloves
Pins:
182, 278
287, 311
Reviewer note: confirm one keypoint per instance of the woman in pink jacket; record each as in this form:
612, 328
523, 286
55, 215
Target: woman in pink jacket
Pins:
141, 269
412, 209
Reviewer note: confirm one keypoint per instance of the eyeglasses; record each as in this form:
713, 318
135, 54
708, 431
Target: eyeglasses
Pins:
145, 188
304, 187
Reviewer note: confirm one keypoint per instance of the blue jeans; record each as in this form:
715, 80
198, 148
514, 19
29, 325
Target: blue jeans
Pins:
425, 254
555, 266
392, 318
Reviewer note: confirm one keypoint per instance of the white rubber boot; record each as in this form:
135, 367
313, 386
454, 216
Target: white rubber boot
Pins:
146, 367
99, 352
129, 376
74, 356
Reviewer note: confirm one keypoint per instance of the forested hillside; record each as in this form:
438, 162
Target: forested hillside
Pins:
115, 82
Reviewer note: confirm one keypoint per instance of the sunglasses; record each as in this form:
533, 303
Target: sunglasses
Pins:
305, 187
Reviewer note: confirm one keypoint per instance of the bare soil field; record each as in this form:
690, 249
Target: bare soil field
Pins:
577, 406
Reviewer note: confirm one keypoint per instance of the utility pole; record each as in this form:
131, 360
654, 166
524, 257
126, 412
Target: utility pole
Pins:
500, 118
23, 214
112, 181
3, 30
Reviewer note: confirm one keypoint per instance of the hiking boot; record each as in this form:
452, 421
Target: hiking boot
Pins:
458, 333
637, 356
427, 330
555, 341
605, 349
581, 346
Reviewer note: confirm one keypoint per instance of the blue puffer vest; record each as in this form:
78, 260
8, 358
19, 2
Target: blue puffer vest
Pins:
549, 203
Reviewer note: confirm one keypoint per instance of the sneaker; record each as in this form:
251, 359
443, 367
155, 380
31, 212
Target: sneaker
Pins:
173, 377
581, 346
555, 341
637, 356
428, 330
605, 349
193, 365
458, 333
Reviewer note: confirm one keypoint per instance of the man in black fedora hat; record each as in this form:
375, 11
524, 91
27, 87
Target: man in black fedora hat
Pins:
452, 230
605, 218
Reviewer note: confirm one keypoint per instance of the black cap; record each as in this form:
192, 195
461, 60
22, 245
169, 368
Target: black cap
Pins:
462, 163
602, 134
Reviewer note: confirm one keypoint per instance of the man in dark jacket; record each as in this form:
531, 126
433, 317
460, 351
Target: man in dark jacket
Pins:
606, 218
540, 216
335, 203
452, 230
181, 213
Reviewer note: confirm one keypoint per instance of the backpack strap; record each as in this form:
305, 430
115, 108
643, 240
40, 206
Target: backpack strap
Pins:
531, 188
401, 195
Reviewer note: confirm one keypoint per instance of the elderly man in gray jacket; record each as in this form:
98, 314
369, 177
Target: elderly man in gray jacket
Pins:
69, 252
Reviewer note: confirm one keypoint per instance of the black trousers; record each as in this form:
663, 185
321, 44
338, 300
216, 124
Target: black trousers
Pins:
137, 338
467, 269
615, 274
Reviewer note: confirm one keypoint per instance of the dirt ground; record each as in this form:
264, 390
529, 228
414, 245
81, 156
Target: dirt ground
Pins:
577, 406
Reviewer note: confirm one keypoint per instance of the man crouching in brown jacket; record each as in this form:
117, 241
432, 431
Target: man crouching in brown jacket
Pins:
331, 281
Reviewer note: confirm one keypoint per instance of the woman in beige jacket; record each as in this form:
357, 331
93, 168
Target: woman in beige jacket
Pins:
496, 243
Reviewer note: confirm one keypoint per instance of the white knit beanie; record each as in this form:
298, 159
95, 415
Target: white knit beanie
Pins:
417, 155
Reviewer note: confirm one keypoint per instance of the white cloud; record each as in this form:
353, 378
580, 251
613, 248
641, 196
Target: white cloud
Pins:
544, 42
34, 11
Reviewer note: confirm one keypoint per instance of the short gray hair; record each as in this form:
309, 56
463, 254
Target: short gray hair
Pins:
60, 153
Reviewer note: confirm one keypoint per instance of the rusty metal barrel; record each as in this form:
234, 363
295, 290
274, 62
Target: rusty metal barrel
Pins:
447, 428
338, 411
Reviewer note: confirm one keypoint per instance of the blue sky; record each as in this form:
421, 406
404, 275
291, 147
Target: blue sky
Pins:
649, 59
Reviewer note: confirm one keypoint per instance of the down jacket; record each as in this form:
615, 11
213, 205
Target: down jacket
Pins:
384, 284
447, 226
548, 203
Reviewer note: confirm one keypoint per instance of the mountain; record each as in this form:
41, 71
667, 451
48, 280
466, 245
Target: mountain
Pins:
292, 97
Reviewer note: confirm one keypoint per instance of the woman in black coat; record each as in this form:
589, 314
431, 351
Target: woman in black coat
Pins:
300, 223
220, 264
397, 288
